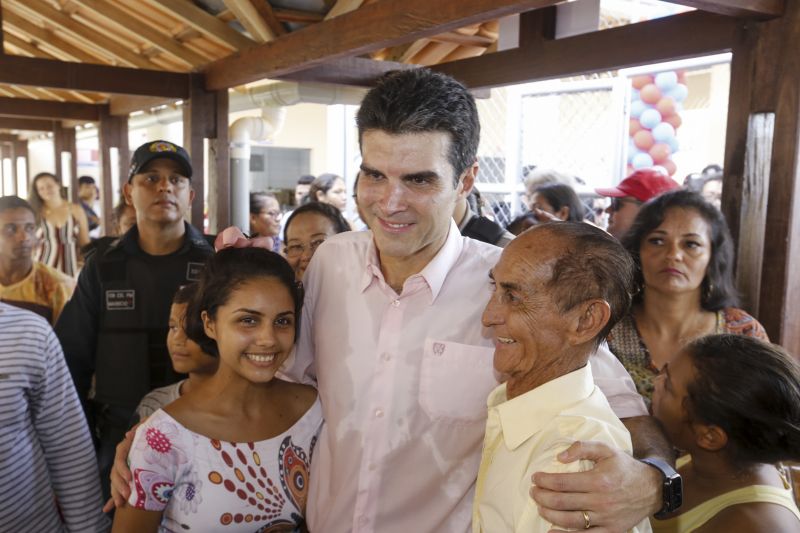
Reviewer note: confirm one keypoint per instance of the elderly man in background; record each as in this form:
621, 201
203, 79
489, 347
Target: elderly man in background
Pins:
558, 289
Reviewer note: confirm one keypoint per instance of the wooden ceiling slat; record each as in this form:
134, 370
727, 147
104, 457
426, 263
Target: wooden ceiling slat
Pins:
374, 26
18, 107
249, 17
763, 9
27, 48
204, 22
88, 77
47, 38
463, 39
159, 40
81, 32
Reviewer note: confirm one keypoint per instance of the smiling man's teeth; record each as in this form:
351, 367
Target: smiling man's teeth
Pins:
258, 358
505, 340
397, 225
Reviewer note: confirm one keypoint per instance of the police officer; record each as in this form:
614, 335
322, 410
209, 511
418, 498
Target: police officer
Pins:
115, 325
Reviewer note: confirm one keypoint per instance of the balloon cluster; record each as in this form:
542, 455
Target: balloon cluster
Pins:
656, 101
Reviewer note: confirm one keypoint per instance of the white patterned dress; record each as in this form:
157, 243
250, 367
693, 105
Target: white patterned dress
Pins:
205, 485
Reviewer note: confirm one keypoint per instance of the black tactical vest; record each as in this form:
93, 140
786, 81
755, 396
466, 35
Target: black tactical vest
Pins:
136, 290
483, 229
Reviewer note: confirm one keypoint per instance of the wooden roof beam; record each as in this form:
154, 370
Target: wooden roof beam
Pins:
155, 38
26, 124
26, 48
18, 107
267, 14
87, 77
372, 27
355, 71
87, 35
295, 15
204, 22
760, 9
703, 34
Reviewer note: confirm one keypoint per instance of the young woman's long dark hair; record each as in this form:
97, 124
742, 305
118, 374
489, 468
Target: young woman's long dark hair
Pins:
340, 224
750, 389
718, 289
224, 272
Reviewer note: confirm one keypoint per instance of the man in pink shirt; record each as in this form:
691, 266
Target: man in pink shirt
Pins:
391, 334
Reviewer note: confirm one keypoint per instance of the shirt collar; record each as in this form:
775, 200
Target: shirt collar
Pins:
524, 416
434, 273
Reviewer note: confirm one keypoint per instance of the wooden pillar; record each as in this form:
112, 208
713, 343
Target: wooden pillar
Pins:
21, 150
205, 116
761, 193
112, 134
64, 142
5, 153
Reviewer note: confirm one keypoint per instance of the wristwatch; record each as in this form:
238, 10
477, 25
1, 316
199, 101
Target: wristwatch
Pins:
672, 486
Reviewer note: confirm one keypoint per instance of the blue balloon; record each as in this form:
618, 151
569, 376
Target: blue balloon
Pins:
635, 95
666, 81
679, 92
642, 160
650, 118
637, 108
673, 144
632, 150
663, 132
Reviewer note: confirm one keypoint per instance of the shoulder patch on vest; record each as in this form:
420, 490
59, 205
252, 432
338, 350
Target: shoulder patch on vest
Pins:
193, 271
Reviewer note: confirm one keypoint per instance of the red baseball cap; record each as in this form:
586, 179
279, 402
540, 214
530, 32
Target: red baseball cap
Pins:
643, 185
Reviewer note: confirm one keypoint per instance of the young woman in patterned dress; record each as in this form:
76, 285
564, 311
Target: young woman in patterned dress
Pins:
63, 227
233, 454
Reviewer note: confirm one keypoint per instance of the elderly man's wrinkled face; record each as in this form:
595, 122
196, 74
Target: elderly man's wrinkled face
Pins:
529, 331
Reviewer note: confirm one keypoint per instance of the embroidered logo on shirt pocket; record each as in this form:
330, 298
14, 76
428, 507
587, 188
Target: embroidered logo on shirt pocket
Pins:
455, 380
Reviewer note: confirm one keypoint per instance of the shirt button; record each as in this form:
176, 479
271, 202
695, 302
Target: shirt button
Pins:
372, 467
363, 521
378, 413
386, 356
396, 303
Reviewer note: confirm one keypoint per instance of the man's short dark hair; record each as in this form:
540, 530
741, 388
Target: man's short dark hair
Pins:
306, 179
15, 202
593, 265
86, 180
421, 100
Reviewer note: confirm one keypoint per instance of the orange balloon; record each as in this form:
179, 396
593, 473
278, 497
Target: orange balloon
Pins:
681, 76
660, 152
641, 81
650, 94
675, 120
635, 127
670, 166
643, 140
666, 106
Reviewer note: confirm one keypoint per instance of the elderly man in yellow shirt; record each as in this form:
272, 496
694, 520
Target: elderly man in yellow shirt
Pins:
558, 289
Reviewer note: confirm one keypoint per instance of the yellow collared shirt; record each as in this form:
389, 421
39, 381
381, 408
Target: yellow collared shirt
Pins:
525, 434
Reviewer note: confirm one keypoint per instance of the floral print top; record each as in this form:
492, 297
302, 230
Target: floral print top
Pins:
205, 485
626, 343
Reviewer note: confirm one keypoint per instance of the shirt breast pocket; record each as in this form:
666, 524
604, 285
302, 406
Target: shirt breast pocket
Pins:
455, 380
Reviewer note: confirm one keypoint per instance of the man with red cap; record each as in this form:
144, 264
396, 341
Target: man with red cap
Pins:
630, 194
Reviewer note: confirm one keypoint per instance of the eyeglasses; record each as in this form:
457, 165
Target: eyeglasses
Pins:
272, 214
616, 203
296, 250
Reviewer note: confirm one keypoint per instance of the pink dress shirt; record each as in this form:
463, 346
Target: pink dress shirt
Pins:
403, 382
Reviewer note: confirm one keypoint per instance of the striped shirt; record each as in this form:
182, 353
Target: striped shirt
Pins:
46, 453
157, 399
